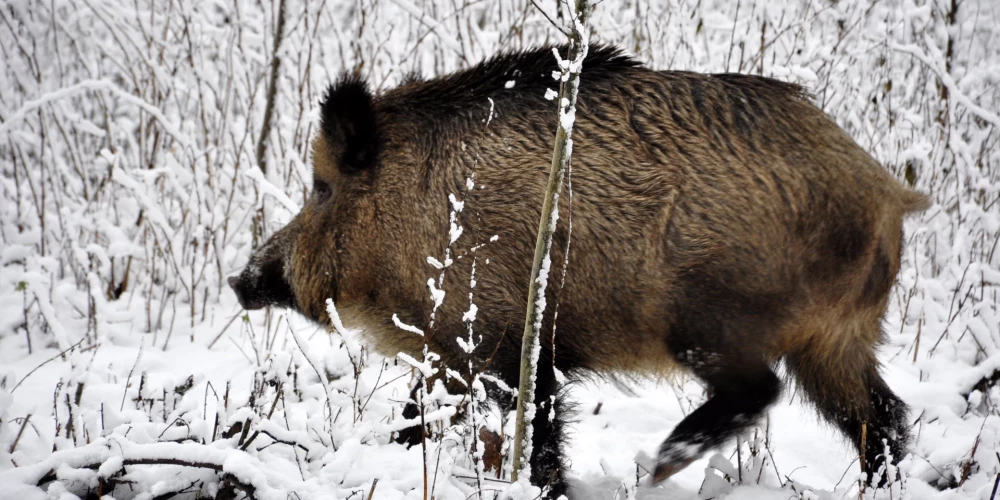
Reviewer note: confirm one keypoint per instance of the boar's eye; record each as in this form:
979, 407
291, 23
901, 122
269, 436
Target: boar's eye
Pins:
321, 190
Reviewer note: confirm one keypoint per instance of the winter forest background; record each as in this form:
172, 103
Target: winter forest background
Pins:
136, 174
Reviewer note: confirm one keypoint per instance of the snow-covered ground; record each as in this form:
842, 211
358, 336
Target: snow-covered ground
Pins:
130, 189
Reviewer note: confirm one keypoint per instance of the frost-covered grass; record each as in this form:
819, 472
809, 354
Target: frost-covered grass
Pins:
131, 188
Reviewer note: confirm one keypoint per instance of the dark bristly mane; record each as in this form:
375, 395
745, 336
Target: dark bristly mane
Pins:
764, 85
516, 83
605, 69
530, 70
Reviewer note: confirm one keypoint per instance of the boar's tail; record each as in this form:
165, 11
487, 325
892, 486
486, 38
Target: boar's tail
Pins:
914, 201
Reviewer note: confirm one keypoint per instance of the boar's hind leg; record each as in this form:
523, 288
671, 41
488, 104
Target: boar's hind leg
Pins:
741, 388
844, 383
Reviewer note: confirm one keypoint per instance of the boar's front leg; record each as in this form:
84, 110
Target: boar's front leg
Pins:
412, 436
741, 390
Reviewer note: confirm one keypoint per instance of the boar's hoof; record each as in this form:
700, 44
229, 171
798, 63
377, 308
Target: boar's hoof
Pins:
669, 464
410, 436
883, 478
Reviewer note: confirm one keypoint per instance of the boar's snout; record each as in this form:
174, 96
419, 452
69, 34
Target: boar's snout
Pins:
243, 291
262, 284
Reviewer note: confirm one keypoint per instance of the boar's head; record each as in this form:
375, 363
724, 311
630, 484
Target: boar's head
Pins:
304, 263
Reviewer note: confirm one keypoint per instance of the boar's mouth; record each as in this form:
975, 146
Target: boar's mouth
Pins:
262, 285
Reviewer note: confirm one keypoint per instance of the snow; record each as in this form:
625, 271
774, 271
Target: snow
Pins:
437, 264
331, 311
437, 294
470, 315
403, 326
266, 187
566, 120
489, 117
423, 366
127, 163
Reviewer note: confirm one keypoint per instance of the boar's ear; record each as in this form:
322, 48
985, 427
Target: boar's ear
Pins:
348, 124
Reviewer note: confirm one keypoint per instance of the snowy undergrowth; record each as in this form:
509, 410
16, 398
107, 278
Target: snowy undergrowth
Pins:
131, 187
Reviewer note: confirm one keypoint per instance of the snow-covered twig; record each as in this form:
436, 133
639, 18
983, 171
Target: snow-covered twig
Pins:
946, 79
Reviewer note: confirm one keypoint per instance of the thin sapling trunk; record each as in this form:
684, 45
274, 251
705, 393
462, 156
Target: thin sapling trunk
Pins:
561, 154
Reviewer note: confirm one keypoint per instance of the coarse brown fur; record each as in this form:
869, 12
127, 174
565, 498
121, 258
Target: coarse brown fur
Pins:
719, 222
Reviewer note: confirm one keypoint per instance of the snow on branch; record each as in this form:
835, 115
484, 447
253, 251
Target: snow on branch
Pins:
946, 79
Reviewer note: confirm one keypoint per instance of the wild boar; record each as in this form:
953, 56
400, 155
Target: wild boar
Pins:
720, 224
